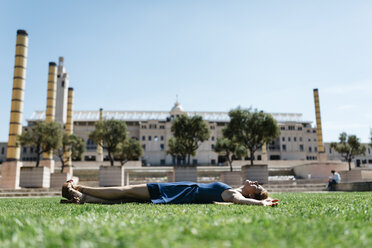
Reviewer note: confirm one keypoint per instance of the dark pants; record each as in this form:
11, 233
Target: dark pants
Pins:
331, 185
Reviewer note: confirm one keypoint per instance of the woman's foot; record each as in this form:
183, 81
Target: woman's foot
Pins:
73, 195
78, 188
66, 189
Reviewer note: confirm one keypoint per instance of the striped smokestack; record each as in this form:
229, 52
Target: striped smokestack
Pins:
99, 148
16, 112
51, 96
69, 122
50, 110
318, 122
10, 169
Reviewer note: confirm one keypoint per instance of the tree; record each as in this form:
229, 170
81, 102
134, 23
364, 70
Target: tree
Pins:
78, 148
176, 150
348, 146
130, 149
229, 148
43, 137
189, 132
108, 134
252, 129
72, 145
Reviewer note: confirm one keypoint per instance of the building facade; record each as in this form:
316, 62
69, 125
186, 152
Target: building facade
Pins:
153, 129
358, 161
297, 140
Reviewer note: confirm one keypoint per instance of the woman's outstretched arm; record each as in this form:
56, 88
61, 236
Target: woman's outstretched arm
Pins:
236, 197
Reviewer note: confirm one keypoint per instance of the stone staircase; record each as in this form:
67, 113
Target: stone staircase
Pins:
25, 192
295, 188
300, 185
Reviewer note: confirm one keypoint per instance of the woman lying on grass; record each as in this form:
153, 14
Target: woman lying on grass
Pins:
251, 193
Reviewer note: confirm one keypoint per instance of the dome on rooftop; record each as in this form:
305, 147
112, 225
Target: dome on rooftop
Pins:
177, 107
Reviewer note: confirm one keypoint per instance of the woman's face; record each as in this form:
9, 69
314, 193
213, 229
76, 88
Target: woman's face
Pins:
251, 188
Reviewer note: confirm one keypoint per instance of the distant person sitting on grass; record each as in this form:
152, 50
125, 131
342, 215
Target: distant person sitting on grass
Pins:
335, 179
251, 193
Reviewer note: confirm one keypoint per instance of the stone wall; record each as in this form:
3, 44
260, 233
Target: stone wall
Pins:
356, 175
354, 186
319, 169
185, 173
256, 172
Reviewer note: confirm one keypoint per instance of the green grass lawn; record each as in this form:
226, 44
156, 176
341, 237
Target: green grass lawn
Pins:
301, 220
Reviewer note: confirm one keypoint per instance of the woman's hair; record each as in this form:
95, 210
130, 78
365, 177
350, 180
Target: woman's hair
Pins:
262, 195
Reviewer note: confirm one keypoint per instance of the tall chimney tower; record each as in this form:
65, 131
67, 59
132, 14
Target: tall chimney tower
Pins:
51, 95
50, 110
321, 154
10, 170
69, 128
62, 92
99, 148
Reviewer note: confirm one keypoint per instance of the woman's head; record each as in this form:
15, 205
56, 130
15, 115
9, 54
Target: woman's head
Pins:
251, 189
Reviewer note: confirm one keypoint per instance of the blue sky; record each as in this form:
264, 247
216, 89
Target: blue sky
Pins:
215, 55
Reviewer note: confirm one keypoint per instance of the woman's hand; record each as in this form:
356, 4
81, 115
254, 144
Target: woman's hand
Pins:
270, 202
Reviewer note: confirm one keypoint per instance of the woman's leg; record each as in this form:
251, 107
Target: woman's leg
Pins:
130, 192
75, 196
91, 199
